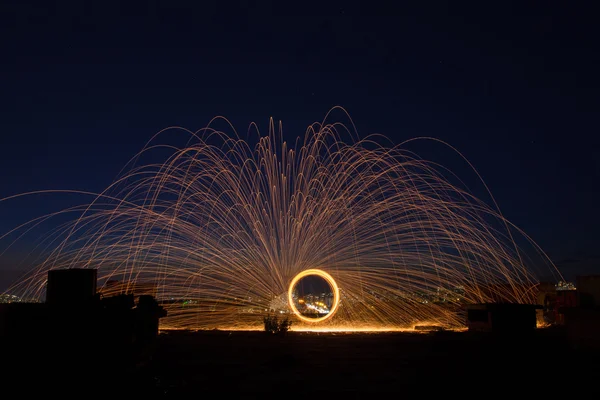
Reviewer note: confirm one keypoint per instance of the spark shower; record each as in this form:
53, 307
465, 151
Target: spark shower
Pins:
221, 227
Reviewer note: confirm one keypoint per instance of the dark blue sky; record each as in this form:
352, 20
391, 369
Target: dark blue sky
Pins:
515, 88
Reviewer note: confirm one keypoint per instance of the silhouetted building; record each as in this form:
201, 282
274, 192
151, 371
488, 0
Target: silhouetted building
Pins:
588, 289
22, 320
502, 317
68, 286
583, 322
75, 332
555, 305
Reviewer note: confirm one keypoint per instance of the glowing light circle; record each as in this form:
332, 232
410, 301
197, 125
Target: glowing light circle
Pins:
329, 279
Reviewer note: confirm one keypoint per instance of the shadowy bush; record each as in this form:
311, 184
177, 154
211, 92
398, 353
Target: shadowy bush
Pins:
276, 326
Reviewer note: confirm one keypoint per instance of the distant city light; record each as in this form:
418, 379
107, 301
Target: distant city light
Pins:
562, 285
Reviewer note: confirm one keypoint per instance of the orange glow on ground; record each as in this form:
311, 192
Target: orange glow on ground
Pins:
320, 329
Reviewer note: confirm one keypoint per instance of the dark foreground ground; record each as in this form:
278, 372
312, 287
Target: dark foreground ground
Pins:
217, 364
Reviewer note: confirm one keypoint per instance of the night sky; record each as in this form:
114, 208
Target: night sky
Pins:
84, 85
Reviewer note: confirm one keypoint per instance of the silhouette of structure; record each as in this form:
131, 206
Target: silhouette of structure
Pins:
556, 305
78, 334
583, 322
70, 286
502, 317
